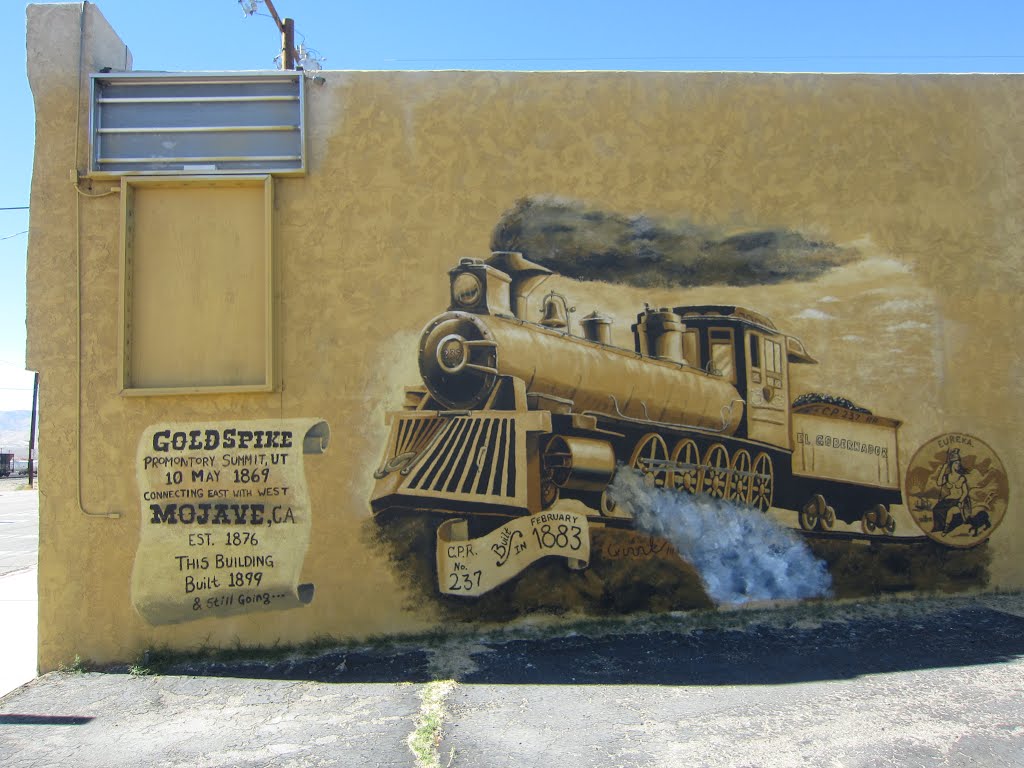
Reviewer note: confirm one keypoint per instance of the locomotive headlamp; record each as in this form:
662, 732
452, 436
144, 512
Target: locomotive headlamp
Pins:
451, 353
467, 290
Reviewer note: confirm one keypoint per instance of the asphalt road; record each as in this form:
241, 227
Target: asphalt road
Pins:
922, 683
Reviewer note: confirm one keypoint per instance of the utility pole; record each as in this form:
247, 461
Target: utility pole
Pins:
287, 27
32, 428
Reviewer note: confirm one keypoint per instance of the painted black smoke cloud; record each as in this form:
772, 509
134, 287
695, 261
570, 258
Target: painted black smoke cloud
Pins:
589, 244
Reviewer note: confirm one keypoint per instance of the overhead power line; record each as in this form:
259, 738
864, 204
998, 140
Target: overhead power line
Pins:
15, 208
823, 57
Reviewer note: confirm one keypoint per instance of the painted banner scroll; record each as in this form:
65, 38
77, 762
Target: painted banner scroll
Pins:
470, 567
225, 517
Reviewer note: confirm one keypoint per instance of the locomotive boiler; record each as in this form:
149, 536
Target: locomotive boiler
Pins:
514, 414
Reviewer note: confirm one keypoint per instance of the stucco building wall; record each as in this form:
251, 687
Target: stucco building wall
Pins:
409, 171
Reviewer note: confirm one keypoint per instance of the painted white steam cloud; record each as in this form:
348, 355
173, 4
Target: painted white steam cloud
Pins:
740, 553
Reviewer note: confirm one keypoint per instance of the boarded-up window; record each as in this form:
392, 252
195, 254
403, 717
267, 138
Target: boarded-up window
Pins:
197, 279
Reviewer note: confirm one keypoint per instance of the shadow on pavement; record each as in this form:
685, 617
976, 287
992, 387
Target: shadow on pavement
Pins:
6, 719
757, 655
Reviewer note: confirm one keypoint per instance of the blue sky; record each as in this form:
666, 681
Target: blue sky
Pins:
821, 36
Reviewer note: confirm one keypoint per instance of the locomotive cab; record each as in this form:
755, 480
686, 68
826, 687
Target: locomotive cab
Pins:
746, 349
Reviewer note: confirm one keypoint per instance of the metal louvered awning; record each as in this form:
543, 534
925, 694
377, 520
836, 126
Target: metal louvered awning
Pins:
197, 123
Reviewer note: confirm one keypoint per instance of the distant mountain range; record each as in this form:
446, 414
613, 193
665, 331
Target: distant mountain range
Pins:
14, 426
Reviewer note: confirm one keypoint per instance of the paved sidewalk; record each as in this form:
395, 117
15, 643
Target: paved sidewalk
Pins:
922, 683
19, 545
18, 622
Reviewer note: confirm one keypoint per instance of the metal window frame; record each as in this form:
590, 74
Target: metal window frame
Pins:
192, 165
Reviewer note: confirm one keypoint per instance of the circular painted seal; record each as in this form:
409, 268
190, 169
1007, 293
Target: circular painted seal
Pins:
957, 489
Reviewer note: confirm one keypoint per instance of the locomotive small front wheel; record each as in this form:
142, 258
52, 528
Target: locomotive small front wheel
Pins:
609, 508
548, 493
878, 518
826, 521
872, 519
883, 519
813, 512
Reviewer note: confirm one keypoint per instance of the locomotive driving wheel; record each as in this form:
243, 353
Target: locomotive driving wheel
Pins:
715, 472
686, 466
651, 457
763, 482
740, 478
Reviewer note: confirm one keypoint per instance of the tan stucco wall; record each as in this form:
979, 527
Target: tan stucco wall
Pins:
409, 171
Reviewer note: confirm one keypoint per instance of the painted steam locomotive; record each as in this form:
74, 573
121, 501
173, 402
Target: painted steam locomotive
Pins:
514, 415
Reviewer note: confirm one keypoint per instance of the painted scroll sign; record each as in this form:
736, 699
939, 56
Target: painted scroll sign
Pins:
470, 567
224, 517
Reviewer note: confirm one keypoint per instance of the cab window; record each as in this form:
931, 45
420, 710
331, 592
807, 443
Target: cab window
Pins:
722, 355
773, 362
754, 346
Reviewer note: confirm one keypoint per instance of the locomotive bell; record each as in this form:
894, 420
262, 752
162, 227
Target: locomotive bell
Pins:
555, 313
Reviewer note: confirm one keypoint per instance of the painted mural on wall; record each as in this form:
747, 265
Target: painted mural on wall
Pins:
225, 517
692, 467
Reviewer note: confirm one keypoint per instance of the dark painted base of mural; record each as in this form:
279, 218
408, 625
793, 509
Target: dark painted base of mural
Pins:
861, 569
628, 572
633, 572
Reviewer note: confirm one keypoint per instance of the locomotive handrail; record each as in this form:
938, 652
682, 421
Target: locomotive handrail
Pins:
484, 368
405, 462
686, 465
726, 417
